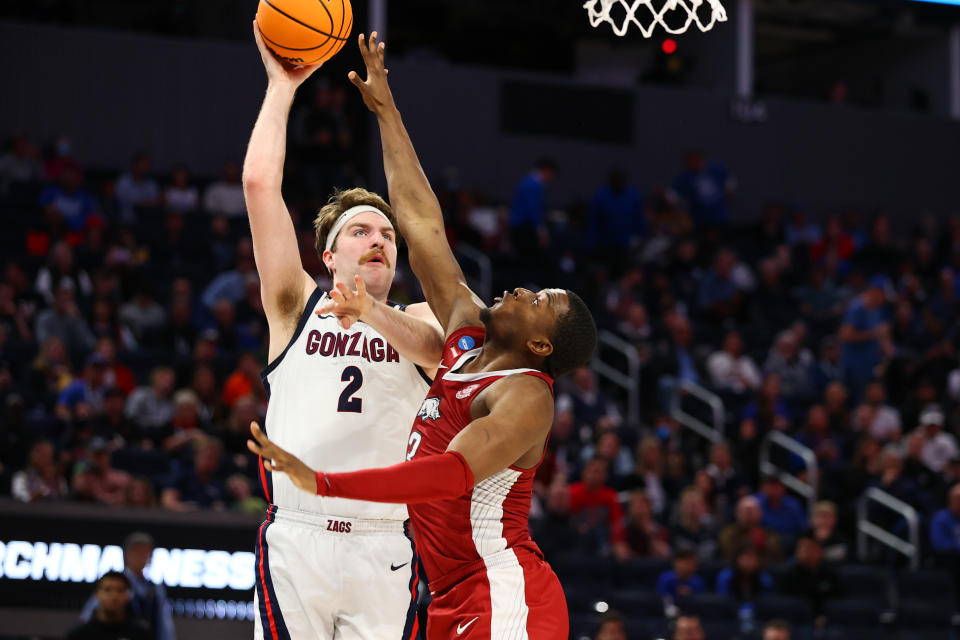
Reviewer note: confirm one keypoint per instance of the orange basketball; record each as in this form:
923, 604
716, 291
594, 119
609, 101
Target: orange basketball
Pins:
305, 32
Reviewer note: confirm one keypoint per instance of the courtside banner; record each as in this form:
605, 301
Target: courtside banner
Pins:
51, 554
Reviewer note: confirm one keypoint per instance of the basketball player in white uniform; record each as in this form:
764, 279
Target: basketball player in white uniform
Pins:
341, 397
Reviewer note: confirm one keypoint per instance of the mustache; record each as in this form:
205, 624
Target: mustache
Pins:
367, 256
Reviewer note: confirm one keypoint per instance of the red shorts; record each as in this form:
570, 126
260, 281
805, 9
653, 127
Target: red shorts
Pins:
517, 597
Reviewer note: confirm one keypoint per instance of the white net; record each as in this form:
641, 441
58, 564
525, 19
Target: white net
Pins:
675, 16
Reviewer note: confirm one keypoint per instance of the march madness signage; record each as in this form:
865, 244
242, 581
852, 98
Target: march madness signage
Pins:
50, 556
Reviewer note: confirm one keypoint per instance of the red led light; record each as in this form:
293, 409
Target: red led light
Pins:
669, 46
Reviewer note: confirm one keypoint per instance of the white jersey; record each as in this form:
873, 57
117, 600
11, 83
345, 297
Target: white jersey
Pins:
340, 400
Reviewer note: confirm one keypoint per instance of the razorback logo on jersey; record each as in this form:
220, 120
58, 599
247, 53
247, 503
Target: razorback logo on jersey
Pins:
430, 409
466, 391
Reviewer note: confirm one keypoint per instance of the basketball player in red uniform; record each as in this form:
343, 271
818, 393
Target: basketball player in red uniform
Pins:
480, 434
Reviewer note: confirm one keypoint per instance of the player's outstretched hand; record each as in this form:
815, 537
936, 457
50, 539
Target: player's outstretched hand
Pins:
375, 89
276, 459
277, 70
348, 306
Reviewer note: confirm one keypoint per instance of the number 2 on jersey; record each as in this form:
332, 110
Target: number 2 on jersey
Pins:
347, 404
413, 444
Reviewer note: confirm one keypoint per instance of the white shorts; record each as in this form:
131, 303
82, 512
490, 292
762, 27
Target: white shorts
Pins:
328, 577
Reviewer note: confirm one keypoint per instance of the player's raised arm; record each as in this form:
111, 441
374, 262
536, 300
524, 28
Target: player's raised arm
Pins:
413, 200
284, 285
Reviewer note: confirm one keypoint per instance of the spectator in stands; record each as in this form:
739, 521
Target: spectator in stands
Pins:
704, 188
20, 164
555, 530
96, 480
865, 335
682, 580
116, 374
69, 201
143, 316
675, 362
231, 285
140, 494
83, 397
62, 271
820, 300
590, 404
645, 536
151, 407
135, 188
64, 321
720, 296
610, 626
618, 219
242, 499
648, 474
180, 195
200, 485
225, 196
693, 528
42, 478
244, 381
881, 420
528, 226
620, 462
730, 369
60, 158
112, 422
816, 436
597, 512
50, 371
687, 627
823, 529
835, 247
747, 529
811, 578
926, 480
782, 513
111, 618
776, 630
746, 580
828, 367
728, 482
938, 447
835, 398
148, 600
945, 537
793, 362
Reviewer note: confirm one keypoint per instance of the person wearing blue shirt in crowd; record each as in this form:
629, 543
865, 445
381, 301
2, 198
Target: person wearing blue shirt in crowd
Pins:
682, 580
781, 513
865, 334
84, 396
148, 600
704, 187
746, 579
528, 225
945, 539
617, 219
68, 200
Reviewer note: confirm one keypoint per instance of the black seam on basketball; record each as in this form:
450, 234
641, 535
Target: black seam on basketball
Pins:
325, 42
329, 15
343, 19
287, 15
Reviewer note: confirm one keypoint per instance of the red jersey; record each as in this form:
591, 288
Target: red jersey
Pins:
488, 526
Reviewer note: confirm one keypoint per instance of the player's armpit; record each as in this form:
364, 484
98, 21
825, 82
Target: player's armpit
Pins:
521, 414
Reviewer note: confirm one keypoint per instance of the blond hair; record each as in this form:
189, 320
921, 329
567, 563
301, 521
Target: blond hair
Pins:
339, 202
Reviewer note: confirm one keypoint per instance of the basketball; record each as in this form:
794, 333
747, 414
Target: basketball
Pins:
305, 32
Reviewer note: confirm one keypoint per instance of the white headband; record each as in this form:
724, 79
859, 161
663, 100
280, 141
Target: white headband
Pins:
345, 217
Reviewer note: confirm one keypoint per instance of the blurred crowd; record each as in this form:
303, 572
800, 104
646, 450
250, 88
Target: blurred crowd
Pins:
132, 336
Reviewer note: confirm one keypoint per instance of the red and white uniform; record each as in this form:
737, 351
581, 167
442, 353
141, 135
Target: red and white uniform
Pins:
487, 577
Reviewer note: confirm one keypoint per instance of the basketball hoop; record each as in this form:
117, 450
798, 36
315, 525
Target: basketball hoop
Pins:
649, 16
